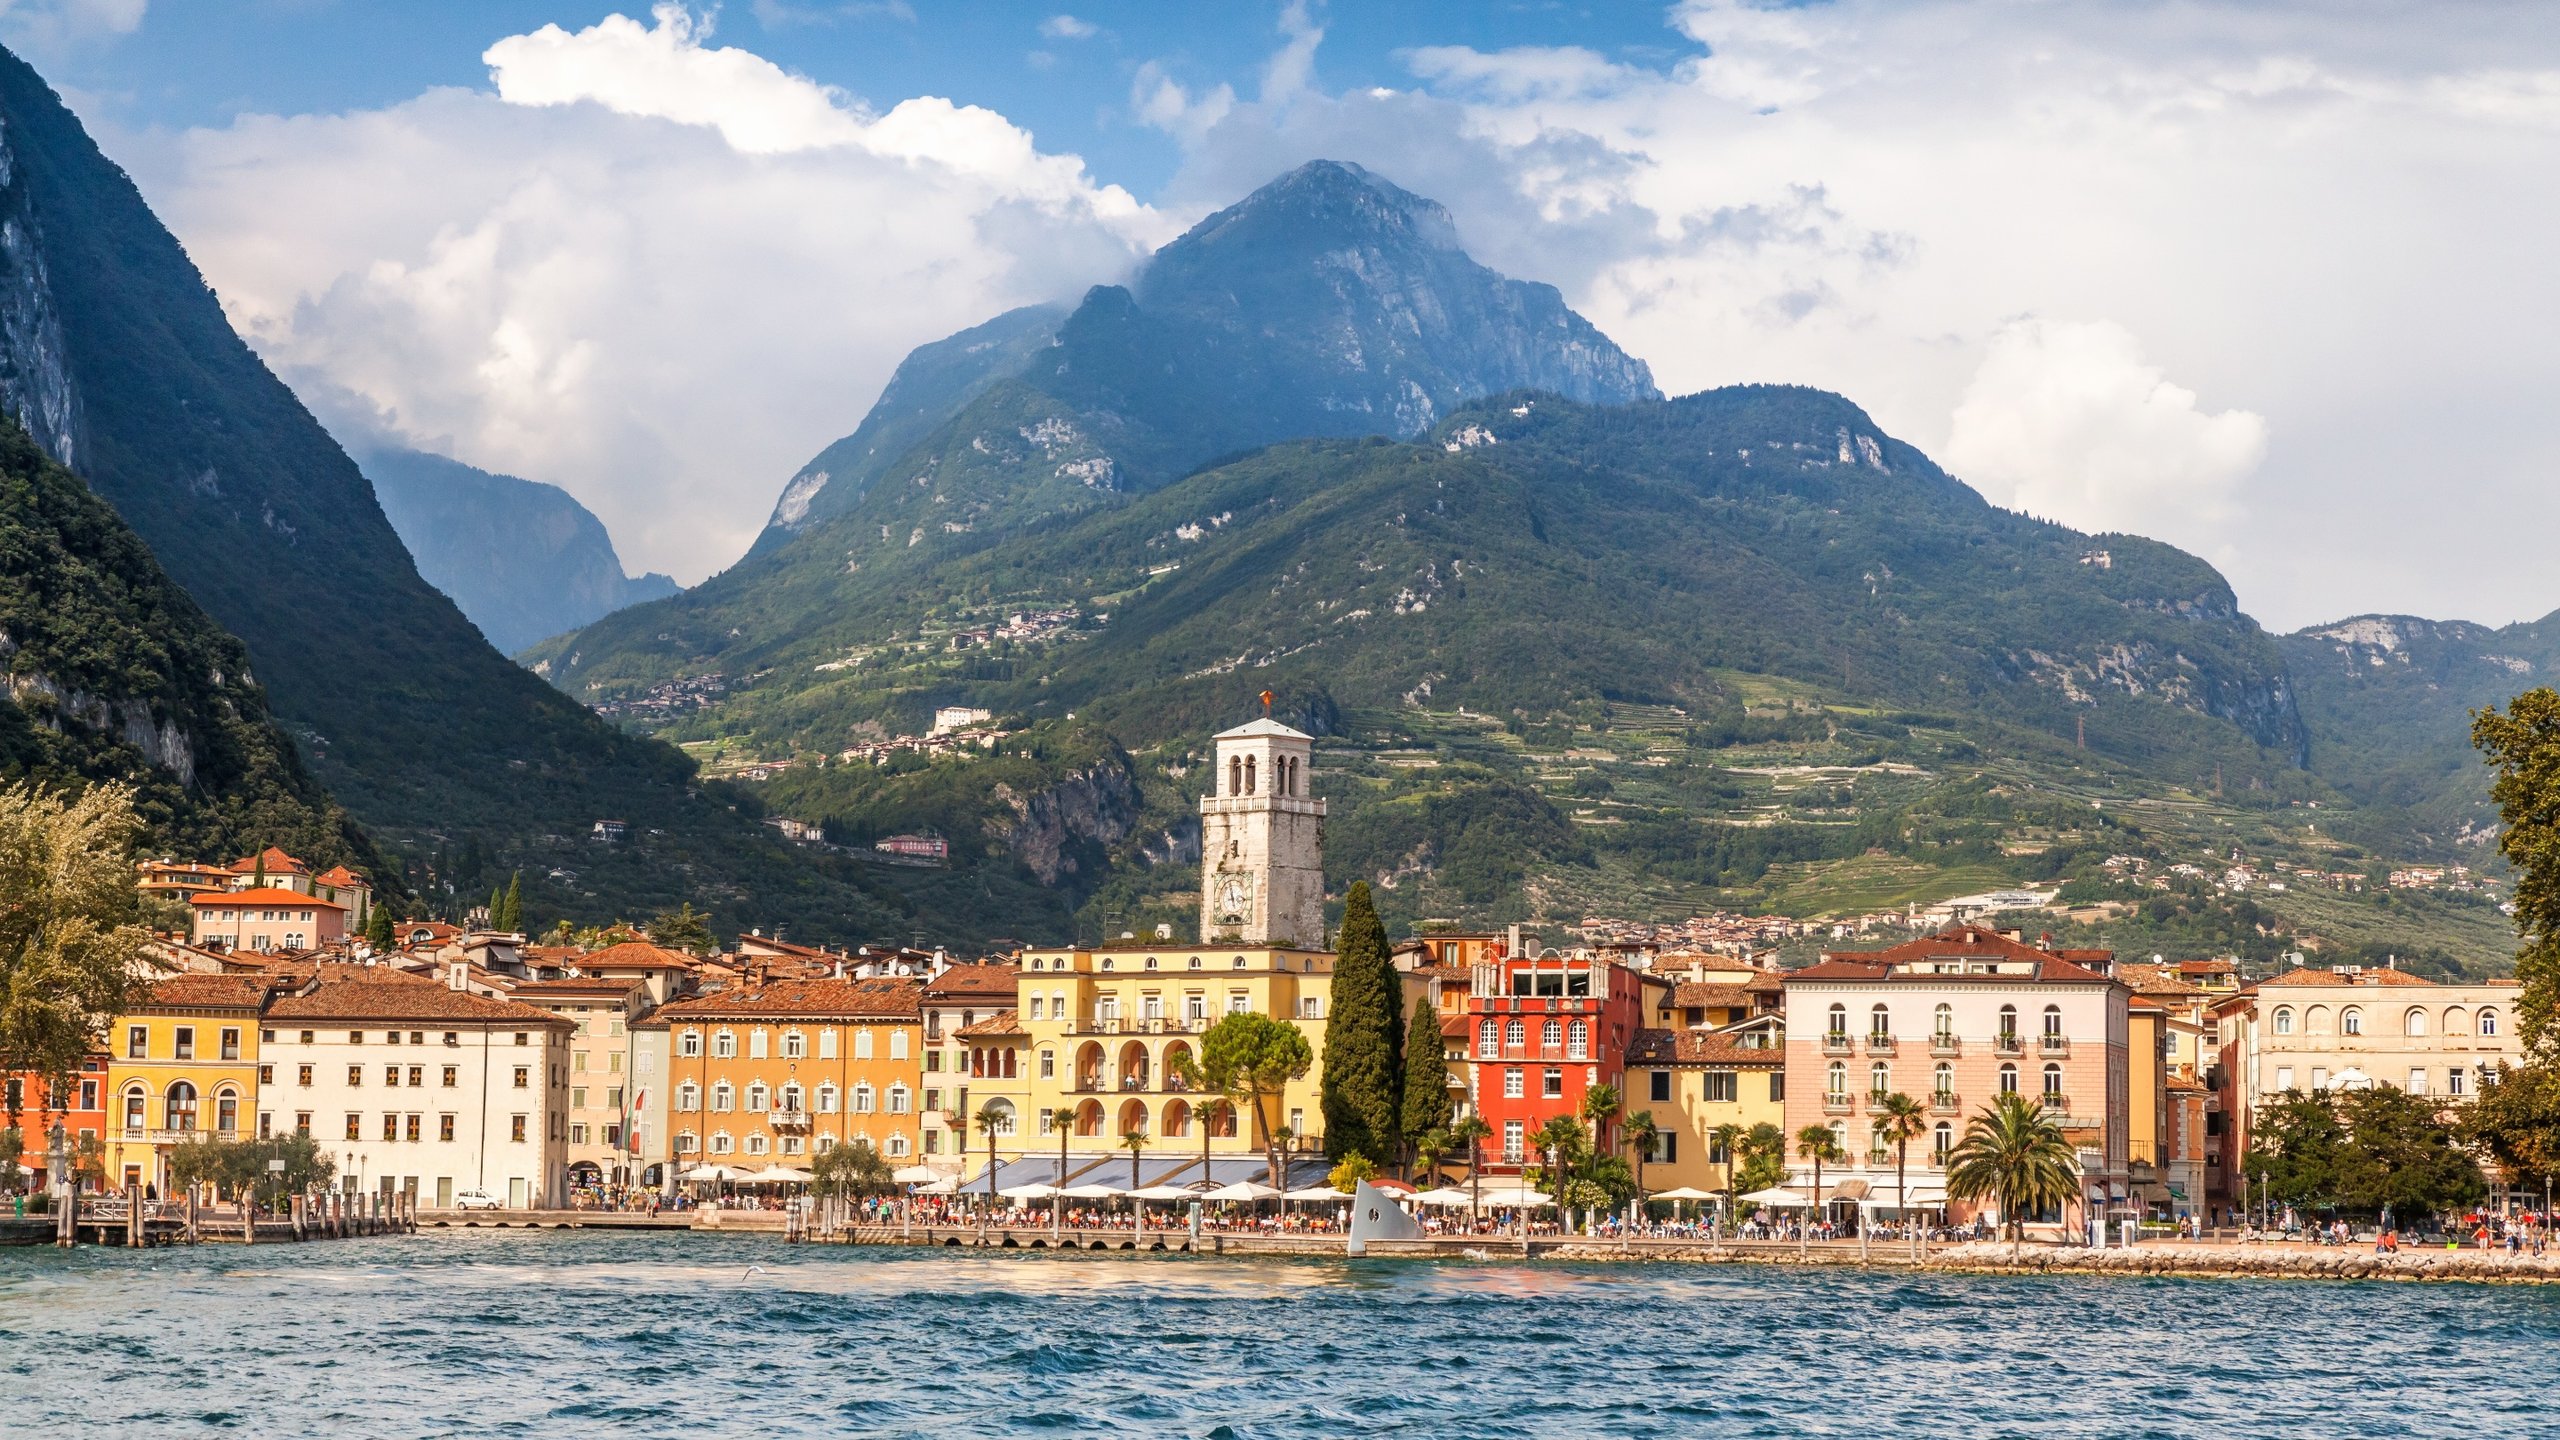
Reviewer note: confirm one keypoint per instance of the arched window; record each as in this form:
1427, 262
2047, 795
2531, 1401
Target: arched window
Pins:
2053, 1022
2284, 1021
2008, 1079
794, 1045
689, 1043
1489, 1038
1879, 1079
2009, 1023
723, 1099
1551, 1034
1004, 1113
1577, 1040
2488, 1022
2457, 1021
133, 1107
724, 1044
688, 1096
898, 1100
758, 1098
862, 1098
2052, 1082
226, 1112
182, 1106
2414, 1023
1516, 1033
1249, 780
1839, 1022
2315, 1020
1880, 1023
1942, 1021
1941, 1141
827, 1099
1235, 775
1836, 1086
2351, 1021
1943, 1082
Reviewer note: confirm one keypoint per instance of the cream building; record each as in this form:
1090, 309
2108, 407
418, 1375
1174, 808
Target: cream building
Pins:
1262, 842
415, 1088
600, 1071
2352, 1029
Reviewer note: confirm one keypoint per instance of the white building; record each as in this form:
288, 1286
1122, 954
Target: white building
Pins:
412, 1087
1262, 842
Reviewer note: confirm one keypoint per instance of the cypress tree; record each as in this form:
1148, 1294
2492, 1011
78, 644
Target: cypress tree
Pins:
1426, 1073
497, 904
510, 915
1363, 1041
377, 930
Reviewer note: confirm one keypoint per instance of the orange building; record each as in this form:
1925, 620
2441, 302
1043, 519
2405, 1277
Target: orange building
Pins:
788, 1069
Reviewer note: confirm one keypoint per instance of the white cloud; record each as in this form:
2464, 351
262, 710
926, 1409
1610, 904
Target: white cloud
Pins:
52, 24
2070, 422
658, 273
2322, 216
1068, 27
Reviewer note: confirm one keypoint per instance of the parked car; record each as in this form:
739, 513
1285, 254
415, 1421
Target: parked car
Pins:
477, 1200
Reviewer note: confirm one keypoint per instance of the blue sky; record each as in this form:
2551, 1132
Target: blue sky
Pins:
2265, 280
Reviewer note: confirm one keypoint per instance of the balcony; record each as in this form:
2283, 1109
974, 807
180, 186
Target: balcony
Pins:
1880, 1157
1944, 1102
1837, 1042
1835, 1104
2056, 1103
2007, 1045
796, 1121
1945, 1045
1879, 1044
2054, 1044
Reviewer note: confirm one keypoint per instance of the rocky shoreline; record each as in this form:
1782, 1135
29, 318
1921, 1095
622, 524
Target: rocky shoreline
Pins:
2270, 1261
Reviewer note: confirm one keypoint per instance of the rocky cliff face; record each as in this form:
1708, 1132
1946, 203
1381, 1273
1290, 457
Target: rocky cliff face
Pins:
525, 561
35, 379
1055, 831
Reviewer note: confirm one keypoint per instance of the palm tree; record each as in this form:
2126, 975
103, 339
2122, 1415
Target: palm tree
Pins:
1639, 1133
2014, 1154
1600, 1105
1133, 1141
1284, 1140
991, 1117
1728, 1138
1429, 1149
1817, 1144
1063, 1121
1469, 1134
1901, 1119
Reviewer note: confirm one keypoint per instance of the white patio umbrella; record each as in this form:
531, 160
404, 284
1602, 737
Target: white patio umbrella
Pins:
1164, 1192
1516, 1195
1443, 1196
948, 1184
916, 1175
779, 1175
1243, 1190
710, 1172
1036, 1190
1094, 1190
1687, 1192
1316, 1192
1777, 1197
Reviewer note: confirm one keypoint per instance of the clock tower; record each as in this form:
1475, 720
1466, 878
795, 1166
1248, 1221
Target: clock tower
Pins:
1262, 842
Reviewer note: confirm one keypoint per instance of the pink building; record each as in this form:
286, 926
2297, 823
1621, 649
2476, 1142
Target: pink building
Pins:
268, 919
1952, 1020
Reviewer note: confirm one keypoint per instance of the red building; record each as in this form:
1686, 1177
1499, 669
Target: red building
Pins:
80, 1108
1543, 1030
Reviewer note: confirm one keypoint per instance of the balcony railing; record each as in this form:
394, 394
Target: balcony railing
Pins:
2056, 1103
2007, 1045
1879, 1156
1837, 1042
1879, 1044
1835, 1104
1945, 1045
1944, 1102
2055, 1044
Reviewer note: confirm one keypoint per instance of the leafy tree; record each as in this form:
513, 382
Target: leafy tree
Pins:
1728, 1139
1363, 1040
853, 1171
1348, 1175
2516, 1122
2404, 1157
67, 937
1640, 1135
1252, 1058
1133, 1141
991, 1120
245, 1167
1600, 1105
1427, 1106
13, 1143
682, 929
2297, 1149
2523, 747
1817, 1144
508, 913
2014, 1155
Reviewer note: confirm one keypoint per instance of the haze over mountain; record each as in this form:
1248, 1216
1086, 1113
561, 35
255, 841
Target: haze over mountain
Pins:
524, 560
122, 364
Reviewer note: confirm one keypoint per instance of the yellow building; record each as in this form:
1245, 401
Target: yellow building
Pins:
1694, 1081
779, 1072
182, 1066
1105, 1031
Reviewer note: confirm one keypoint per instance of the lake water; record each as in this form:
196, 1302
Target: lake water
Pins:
540, 1333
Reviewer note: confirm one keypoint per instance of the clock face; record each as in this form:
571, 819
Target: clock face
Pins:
1232, 899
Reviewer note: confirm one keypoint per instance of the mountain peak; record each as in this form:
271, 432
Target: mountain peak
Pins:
1324, 204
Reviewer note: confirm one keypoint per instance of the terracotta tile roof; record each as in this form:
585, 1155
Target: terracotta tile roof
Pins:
583, 985
972, 982
1002, 1025
635, 955
263, 897
2305, 975
402, 1000
1696, 1047
875, 999
1709, 995
339, 875
2155, 980
1956, 942
329, 972
1767, 984
277, 863
209, 992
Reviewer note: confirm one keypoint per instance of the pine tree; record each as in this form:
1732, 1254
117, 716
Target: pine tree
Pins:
1427, 1106
1363, 1040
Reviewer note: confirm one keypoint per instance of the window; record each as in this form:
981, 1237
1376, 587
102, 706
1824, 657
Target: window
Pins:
1941, 1140
722, 1143
185, 1042
898, 1097
687, 1142
2453, 1082
1879, 1080
861, 1044
897, 1044
1489, 1038
355, 1077
2284, 1020
2009, 1023
1658, 1086
2284, 1077
1554, 1088
2352, 1022
391, 1076
827, 1097
226, 1113
452, 1076
1835, 1088
390, 1127
355, 1127
1838, 1025
1943, 1022
1577, 1042
2414, 1023
577, 1132
1723, 1086
1048, 1064
2488, 1022
444, 1128
2008, 1079
137, 1042
793, 1099
301, 1122
1665, 1149
723, 1098
414, 1123
302, 1075
688, 1096
524, 1077
2319, 1077
2417, 1080
1516, 1033
1880, 1023
1515, 1136
1550, 1034
230, 1042
1511, 1084
1942, 1081
794, 1045
862, 1098
2052, 1082
724, 1045
758, 1098
578, 1097
2053, 1022
1777, 1086
689, 1043
516, 1129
